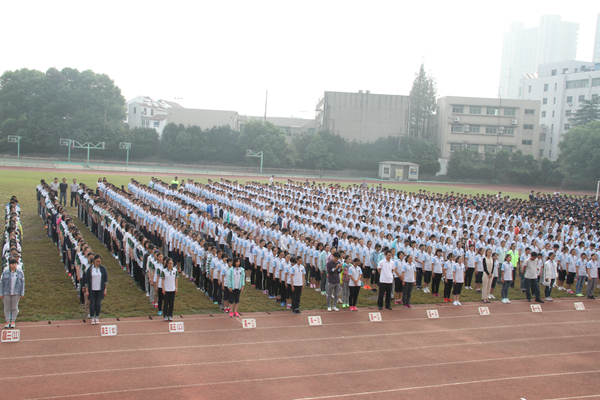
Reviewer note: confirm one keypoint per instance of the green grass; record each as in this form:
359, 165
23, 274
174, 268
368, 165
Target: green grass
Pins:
50, 294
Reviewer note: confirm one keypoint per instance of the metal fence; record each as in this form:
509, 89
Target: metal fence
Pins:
181, 169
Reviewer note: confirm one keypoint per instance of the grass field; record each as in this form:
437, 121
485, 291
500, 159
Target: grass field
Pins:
50, 294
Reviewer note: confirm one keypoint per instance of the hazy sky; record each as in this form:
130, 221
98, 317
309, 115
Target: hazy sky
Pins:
226, 54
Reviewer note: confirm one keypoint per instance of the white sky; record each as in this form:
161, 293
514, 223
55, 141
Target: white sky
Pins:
225, 54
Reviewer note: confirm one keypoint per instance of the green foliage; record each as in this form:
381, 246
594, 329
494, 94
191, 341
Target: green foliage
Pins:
265, 137
501, 167
43, 108
588, 112
423, 98
579, 158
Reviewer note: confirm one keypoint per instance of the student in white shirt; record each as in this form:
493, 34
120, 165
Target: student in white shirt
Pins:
438, 272
297, 271
448, 277
355, 274
549, 274
592, 275
168, 276
409, 276
236, 281
507, 276
458, 273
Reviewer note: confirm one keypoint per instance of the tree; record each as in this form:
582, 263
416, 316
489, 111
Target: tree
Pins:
421, 152
423, 100
266, 137
588, 112
580, 154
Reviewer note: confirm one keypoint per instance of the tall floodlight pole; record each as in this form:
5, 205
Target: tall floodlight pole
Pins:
250, 153
125, 146
17, 140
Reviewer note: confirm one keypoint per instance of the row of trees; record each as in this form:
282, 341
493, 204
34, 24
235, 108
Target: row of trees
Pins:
577, 165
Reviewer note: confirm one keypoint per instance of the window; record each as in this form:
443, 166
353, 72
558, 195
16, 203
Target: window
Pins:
458, 109
581, 83
553, 72
568, 113
529, 112
386, 170
569, 99
507, 148
473, 147
152, 112
474, 110
144, 111
555, 100
567, 127
457, 128
545, 100
545, 87
527, 142
543, 114
511, 111
134, 110
549, 153
582, 98
491, 129
528, 126
542, 137
552, 114
594, 96
541, 153
492, 111
156, 124
551, 137
490, 149
555, 86
509, 131
529, 88
455, 146
596, 82
474, 129
565, 70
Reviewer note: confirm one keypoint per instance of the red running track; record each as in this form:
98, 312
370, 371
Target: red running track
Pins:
510, 354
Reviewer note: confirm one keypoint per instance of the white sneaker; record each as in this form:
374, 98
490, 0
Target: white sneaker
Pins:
317, 290
459, 303
507, 301
492, 297
339, 300
328, 308
549, 299
336, 309
455, 303
147, 294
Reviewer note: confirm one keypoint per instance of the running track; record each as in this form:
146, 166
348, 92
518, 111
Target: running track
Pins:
510, 354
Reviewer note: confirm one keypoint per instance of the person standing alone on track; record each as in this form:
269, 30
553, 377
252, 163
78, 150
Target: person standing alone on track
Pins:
386, 279
63, 192
12, 289
334, 267
96, 281
74, 188
168, 276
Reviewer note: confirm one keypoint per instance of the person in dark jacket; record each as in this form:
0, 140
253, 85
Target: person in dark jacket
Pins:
96, 280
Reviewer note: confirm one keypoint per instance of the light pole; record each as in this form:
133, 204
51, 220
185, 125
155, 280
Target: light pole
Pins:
125, 146
17, 140
68, 143
250, 153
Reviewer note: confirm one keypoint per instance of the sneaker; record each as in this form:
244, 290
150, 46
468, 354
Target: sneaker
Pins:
155, 305
160, 313
336, 309
503, 301
579, 295
231, 314
317, 289
549, 299
147, 294
455, 303
166, 319
561, 288
282, 304
492, 297
170, 318
328, 308
289, 306
507, 301
324, 294
397, 302
237, 314
591, 298
570, 291
459, 303
215, 302
540, 300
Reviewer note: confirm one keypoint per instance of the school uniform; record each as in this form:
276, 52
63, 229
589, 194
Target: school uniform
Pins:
355, 272
297, 280
409, 272
507, 275
169, 281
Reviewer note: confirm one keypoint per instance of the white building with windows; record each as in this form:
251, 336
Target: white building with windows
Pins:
523, 49
144, 112
489, 125
597, 42
560, 87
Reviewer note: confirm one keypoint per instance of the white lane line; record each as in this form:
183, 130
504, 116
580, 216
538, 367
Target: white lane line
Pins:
328, 325
287, 341
591, 396
307, 356
321, 375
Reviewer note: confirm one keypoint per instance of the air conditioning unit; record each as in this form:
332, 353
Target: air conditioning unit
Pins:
513, 121
456, 119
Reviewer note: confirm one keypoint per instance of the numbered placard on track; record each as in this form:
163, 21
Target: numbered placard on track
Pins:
108, 330
536, 308
375, 317
11, 335
484, 311
248, 323
433, 314
176, 327
316, 320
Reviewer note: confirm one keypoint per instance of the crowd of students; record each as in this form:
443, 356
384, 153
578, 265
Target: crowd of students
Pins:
281, 232
12, 279
84, 267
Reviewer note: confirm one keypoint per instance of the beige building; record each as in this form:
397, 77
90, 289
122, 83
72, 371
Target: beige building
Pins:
363, 116
489, 125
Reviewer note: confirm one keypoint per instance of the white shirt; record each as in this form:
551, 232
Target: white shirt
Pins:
297, 272
169, 279
96, 278
385, 271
